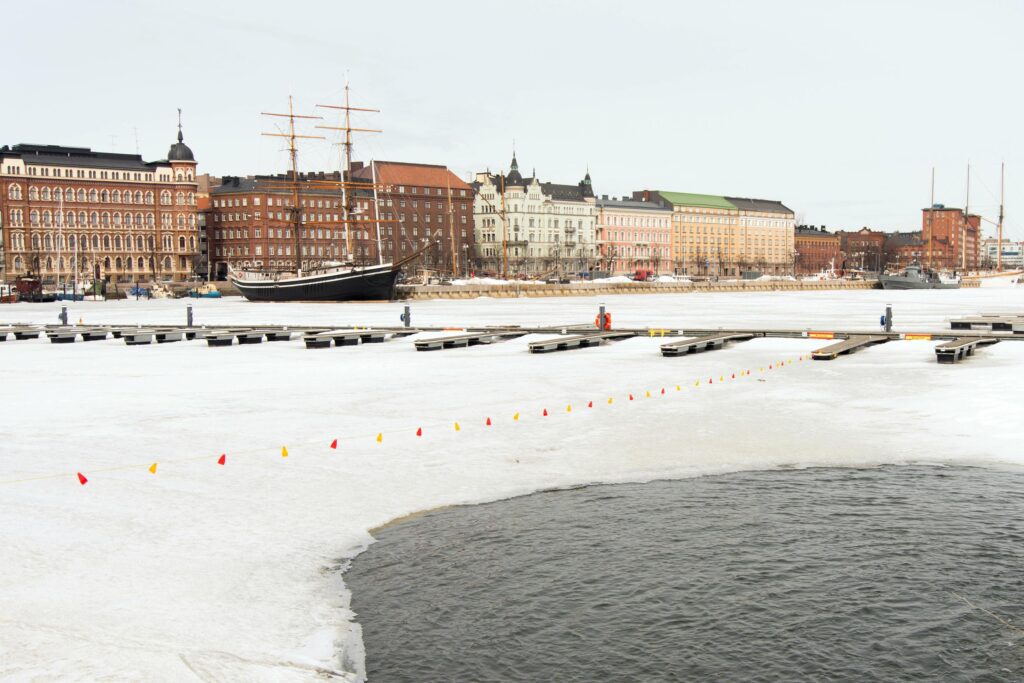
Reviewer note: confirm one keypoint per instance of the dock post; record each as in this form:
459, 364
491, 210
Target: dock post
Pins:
600, 317
407, 316
63, 317
188, 315
888, 317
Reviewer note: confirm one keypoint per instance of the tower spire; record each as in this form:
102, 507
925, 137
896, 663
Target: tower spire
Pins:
181, 138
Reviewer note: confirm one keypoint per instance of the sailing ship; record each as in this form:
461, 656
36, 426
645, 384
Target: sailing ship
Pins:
332, 280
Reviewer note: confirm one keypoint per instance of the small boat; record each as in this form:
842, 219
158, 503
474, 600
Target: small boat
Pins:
30, 288
204, 291
138, 291
8, 294
917, 277
159, 291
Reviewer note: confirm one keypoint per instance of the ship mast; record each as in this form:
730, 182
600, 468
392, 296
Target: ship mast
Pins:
966, 223
293, 152
999, 229
376, 213
346, 175
931, 221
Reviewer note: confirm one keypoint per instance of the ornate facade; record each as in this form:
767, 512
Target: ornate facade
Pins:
634, 235
70, 212
524, 227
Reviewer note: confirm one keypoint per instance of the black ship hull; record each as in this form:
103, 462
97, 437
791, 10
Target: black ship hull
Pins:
374, 283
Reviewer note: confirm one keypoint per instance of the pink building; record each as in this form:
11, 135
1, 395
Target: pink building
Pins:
634, 235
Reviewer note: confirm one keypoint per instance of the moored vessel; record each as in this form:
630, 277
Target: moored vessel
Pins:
917, 277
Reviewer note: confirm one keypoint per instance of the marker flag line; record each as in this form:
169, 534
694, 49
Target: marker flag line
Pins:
344, 441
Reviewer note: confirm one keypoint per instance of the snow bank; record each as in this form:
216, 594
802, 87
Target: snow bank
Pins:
233, 572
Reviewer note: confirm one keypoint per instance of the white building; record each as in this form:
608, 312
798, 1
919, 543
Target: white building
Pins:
1013, 253
526, 227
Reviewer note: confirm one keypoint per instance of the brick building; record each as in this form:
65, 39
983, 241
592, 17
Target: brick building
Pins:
863, 249
902, 249
101, 214
250, 224
817, 250
952, 239
634, 235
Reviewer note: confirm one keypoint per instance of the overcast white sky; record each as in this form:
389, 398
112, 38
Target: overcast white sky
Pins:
838, 109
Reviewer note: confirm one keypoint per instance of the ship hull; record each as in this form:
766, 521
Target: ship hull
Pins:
375, 283
905, 283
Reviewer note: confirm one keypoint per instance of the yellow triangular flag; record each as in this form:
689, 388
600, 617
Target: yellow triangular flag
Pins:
697, 383
677, 387
648, 394
721, 378
457, 427
568, 409
284, 451
515, 417
609, 400
380, 437
152, 468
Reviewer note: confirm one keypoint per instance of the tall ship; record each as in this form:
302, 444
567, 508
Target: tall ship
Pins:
345, 280
917, 277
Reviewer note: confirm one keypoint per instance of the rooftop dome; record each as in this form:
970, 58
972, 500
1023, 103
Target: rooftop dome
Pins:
179, 151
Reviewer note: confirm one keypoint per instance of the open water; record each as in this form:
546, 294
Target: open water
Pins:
818, 574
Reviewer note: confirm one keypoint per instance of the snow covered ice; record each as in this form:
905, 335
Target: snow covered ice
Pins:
232, 572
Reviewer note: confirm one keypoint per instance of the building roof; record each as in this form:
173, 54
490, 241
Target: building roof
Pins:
278, 184
760, 205
811, 231
691, 199
83, 157
566, 193
904, 239
179, 151
413, 175
631, 204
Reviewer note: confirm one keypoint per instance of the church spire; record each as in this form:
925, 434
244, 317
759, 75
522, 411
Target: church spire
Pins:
181, 138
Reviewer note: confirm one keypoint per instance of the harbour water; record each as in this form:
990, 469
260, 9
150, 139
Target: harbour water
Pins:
891, 573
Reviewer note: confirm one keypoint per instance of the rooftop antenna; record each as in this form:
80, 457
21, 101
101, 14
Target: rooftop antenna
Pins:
999, 237
136, 131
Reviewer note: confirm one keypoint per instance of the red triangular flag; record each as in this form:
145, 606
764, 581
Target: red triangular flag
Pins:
631, 397
334, 444
663, 391
709, 381
545, 412
488, 422
419, 431
590, 404
734, 375
82, 480
222, 458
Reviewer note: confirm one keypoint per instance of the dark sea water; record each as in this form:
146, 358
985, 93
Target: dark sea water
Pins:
795, 575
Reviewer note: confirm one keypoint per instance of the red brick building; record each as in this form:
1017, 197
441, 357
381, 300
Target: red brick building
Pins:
65, 209
250, 223
952, 239
816, 250
863, 250
902, 249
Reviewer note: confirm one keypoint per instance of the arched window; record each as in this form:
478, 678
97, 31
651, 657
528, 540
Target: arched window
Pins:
191, 199
192, 243
94, 218
60, 263
117, 219
127, 197
192, 220
152, 246
181, 220
139, 245
128, 264
115, 196
17, 263
83, 242
138, 219
167, 262
138, 196
81, 218
149, 197
71, 241
46, 217
14, 191
179, 199
44, 194
70, 218
69, 195
47, 242
35, 242
150, 220
142, 264
93, 195
165, 197
49, 263
33, 193
117, 263
190, 176
128, 220
180, 177
117, 243
33, 217
105, 219
106, 263
81, 195
152, 263
104, 196
106, 242
181, 244
95, 242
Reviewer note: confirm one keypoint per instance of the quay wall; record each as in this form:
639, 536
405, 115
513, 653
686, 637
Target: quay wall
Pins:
512, 290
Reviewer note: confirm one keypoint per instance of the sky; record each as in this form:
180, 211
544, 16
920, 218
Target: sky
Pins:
838, 109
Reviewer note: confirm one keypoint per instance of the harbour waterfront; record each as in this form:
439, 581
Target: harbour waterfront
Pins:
817, 574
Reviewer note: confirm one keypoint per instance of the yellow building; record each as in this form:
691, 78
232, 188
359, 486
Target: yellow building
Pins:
724, 236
